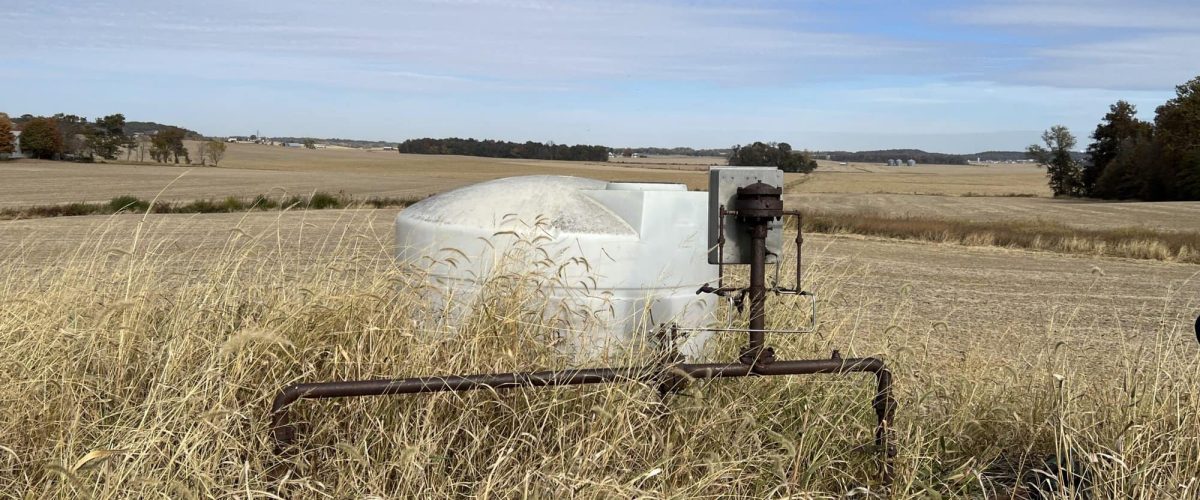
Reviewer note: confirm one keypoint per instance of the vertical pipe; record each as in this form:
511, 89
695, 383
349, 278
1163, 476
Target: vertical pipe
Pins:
720, 247
799, 249
758, 286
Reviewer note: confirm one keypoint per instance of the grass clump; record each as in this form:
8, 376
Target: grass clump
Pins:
131, 204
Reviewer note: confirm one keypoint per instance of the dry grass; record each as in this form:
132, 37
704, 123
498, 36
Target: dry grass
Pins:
133, 368
1129, 242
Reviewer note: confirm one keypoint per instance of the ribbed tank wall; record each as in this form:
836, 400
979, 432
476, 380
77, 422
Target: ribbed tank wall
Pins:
617, 259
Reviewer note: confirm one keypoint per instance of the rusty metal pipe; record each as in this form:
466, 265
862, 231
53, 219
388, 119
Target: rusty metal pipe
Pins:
284, 431
758, 291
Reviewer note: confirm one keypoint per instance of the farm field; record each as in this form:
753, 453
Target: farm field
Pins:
249, 170
951, 180
975, 290
1091, 214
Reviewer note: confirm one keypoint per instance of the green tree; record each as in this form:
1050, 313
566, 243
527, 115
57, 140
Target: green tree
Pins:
107, 136
8, 140
308, 144
1062, 170
761, 154
41, 138
1120, 130
1177, 135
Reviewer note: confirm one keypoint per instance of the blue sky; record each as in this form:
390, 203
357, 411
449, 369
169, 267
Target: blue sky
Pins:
953, 76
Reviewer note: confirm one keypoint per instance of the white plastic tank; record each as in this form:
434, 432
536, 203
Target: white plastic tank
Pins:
618, 258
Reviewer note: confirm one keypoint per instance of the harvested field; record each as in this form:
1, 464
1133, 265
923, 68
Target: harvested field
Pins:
1089, 214
947, 180
1013, 290
249, 170
140, 359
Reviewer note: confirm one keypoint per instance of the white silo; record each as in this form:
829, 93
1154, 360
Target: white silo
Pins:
620, 258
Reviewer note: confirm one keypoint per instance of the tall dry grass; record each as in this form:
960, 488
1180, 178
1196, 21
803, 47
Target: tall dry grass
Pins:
137, 367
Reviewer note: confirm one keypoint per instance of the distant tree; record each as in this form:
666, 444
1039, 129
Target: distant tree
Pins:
167, 144
1127, 176
761, 154
107, 136
627, 153
1120, 130
1062, 170
41, 138
214, 151
310, 144
1177, 135
502, 149
8, 140
74, 130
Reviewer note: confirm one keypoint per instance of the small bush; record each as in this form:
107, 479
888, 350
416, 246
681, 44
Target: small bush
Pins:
127, 203
322, 200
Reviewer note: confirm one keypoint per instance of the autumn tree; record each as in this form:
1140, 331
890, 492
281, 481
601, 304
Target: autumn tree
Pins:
8, 140
1062, 169
41, 138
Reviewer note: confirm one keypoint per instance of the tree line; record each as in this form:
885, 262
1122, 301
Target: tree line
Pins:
883, 155
771, 154
503, 149
680, 151
72, 137
1131, 158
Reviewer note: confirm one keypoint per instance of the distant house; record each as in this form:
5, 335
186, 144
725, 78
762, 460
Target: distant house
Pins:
293, 144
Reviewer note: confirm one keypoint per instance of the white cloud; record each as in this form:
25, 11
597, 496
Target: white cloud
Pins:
485, 41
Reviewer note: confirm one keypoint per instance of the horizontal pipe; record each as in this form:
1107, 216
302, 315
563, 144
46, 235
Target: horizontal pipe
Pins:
284, 432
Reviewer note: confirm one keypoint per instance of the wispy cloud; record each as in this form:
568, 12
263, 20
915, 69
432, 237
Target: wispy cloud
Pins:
1168, 15
622, 72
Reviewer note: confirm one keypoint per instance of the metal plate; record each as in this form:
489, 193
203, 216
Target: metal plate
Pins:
723, 183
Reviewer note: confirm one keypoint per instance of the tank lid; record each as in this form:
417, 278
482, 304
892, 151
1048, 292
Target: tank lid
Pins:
553, 202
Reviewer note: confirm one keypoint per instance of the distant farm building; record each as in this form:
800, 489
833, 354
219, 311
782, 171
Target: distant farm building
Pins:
912, 162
